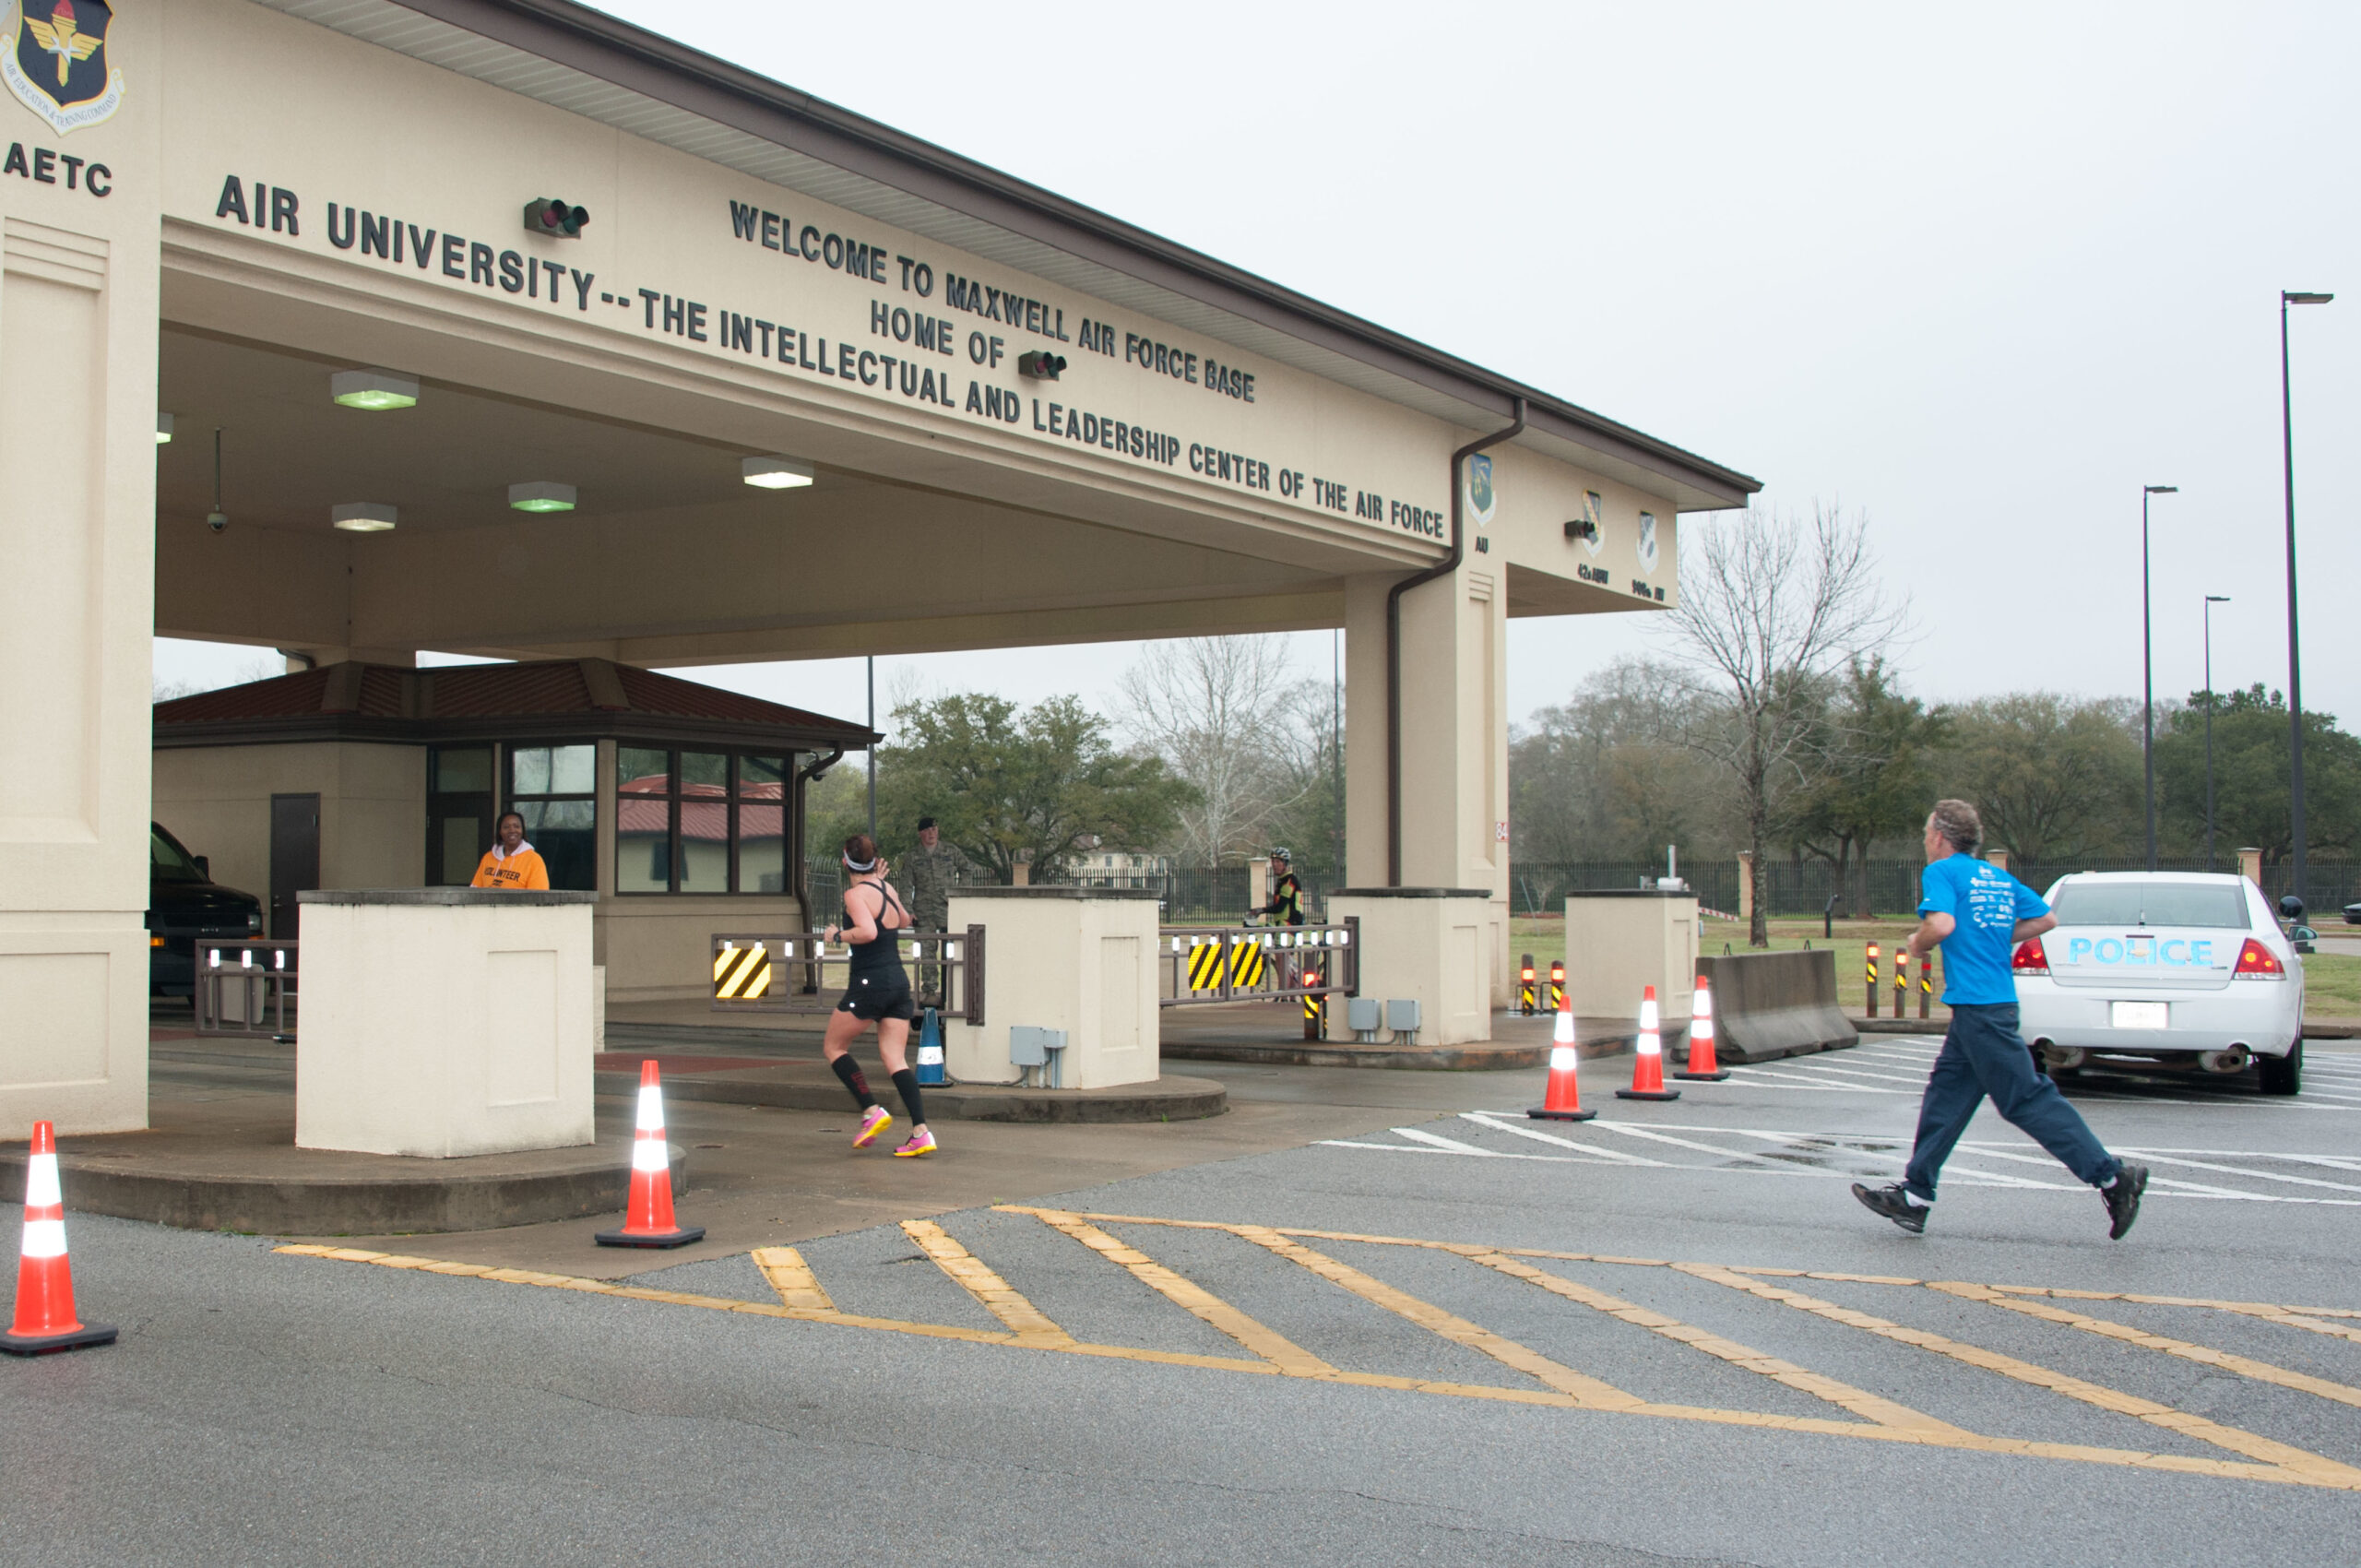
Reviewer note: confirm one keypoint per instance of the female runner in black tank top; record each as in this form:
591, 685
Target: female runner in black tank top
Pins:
878, 992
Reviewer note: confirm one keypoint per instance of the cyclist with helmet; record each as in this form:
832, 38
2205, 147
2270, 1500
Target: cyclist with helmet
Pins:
1285, 906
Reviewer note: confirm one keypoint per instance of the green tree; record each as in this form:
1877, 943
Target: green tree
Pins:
1009, 788
2250, 776
2055, 778
1876, 778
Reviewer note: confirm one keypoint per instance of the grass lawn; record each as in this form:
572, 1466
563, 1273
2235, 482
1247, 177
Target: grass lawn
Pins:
2332, 980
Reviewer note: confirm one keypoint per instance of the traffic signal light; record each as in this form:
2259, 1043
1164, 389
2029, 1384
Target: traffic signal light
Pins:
1040, 366
552, 217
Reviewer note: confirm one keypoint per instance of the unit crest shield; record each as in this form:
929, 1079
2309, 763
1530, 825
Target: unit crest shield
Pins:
57, 60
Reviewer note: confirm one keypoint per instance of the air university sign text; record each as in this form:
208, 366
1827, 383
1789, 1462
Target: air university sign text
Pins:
931, 335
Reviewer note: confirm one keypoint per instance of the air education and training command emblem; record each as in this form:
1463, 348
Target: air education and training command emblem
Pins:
1480, 497
55, 60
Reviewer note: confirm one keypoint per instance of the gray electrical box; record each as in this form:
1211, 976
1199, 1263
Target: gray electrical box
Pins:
1363, 1014
1030, 1046
1402, 1016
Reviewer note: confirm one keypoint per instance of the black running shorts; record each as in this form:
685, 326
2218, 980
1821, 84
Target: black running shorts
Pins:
871, 1000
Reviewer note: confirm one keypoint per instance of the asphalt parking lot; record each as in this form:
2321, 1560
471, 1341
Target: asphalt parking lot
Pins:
1668, 1334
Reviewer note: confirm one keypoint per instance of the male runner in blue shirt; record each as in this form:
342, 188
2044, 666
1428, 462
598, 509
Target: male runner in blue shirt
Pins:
1977, 913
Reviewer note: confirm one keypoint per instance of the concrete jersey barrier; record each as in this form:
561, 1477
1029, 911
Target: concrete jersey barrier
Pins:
1771, 1005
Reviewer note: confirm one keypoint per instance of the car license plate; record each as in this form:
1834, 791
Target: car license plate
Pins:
2139, 1015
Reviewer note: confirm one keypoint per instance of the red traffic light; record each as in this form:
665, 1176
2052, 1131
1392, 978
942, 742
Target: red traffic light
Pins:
551, 216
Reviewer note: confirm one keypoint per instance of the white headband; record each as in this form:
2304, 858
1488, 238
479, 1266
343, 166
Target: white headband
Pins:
859, 868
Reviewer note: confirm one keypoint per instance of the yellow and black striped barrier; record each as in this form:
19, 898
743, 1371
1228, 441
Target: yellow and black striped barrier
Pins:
1247, 962
1205, 965
740, 974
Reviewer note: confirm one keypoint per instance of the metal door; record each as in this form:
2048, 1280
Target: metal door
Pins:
294, 858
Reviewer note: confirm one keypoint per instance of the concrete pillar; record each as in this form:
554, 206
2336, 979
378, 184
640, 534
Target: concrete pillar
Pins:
2250, 865
440, 1022
1619, 941
1258, 882
1454, 743
79, 307
1427, 942
1997, 857
1080, 959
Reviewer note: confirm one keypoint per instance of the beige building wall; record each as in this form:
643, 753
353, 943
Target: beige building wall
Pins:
78, 306
216, 800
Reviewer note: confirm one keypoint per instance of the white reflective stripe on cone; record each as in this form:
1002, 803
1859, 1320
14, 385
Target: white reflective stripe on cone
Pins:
44, 1239
647, 1154
40, 1181
651, 1109
1648, 1014
1562, 1058
1649, 1044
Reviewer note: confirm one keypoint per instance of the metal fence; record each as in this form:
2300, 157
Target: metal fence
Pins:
800, 971
1790, 888
246, 987
1185, 895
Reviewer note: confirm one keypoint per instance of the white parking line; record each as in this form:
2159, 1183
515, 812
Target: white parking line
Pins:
2240, 1170
1453, 1145
1483, 1119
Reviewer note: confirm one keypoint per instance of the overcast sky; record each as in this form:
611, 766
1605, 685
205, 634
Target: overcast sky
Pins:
1976, 274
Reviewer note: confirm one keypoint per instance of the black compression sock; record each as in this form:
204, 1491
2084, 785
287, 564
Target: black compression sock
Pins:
849, 1071
905, 1084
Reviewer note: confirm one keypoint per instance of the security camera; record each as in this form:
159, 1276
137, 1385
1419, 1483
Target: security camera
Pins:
218, 520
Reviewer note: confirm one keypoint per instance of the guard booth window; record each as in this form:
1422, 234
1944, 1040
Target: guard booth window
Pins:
555, 789
700, 821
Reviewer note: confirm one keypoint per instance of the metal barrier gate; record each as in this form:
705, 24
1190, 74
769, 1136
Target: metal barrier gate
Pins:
244, 987
800, 971
1203, 965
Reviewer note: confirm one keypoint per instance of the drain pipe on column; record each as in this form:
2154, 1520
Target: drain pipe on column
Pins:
1441, 568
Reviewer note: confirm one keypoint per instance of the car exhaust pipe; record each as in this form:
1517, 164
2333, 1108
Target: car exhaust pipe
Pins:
2234, 1060
2063, 1058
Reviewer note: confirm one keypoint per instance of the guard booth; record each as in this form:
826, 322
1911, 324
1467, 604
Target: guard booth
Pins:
620, 353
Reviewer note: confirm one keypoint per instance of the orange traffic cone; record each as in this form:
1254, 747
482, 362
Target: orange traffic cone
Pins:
1647, 1073
648, 1222
1564, 1100
45, 1318
1701, 1064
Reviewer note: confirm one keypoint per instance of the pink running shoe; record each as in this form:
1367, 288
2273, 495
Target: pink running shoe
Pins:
921, 1142
873, 1121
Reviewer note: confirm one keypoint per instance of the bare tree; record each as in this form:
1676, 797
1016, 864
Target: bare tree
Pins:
1213, 708
1772, 610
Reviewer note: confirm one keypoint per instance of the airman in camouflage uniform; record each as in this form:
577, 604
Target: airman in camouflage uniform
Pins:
926, 882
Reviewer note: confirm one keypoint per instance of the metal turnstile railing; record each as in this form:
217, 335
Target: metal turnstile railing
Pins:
1202, 965
800, 971
246, 987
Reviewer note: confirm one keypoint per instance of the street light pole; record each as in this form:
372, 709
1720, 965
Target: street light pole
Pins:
2148, 667
2210, 601
873, 751
2294, 653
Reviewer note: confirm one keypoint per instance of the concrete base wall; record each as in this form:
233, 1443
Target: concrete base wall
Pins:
1081, 959
1617, 943
444, 1021
1428, 942
1773, 1004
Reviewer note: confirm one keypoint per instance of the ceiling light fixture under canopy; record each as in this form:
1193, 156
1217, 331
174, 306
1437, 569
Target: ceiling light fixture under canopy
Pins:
364, 516
372, 389
542, 495
776, 474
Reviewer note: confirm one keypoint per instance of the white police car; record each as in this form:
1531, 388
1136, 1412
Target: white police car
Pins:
2149, 969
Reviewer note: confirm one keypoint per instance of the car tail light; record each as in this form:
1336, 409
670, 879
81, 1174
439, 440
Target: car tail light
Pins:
2030, 957
2258, 962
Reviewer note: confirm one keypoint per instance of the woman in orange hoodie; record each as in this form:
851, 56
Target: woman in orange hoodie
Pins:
511, 863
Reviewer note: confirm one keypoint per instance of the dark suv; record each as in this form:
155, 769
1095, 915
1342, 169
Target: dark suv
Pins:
184, 905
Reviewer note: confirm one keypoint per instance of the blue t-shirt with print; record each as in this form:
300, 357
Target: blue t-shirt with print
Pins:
1986, 903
